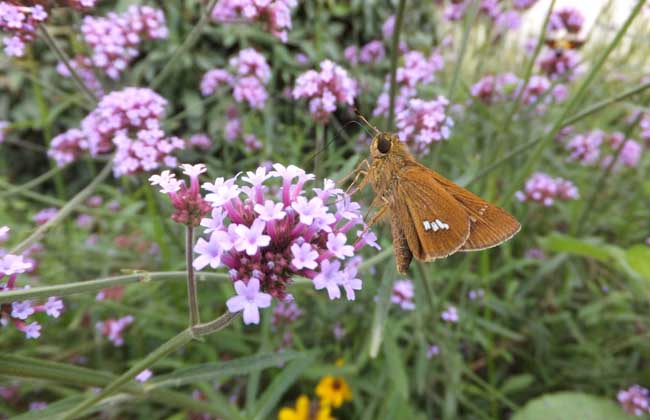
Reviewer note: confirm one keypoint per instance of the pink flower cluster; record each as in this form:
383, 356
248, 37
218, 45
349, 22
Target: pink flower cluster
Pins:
286, 312
421, 123
635, 400
417, 70
274, 14
84, 68
371, 53
540, 92
19, 312
188, 202
403, 294
567, 19
545, 189
504, 16
265, 234
251, 74
115, 39
450, 315
324, 89
114, 328
495, 88
127, 121
587, 148
560, 63
20, 22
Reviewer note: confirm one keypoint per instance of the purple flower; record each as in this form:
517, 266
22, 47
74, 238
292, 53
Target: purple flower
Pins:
433, 350
144, 376
560, 63
491, 89
329, 278
45, 215
421, 123
635, 400
213, 79
249, 299
450, 315
4, 233
304, 256
32, 330
189, 205
476, 294
388, 27
210, 252
53, 307
372, 52
114, 328
286, 312
324, 89
336, 245
403, 294
585, 148
275, 15
251, 238
544, 189
566, 18
22, 310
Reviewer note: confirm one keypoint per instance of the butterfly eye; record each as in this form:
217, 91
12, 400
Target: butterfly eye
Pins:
383, 145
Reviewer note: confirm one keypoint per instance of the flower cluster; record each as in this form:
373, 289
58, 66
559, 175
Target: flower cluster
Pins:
540, 92
403, 294
545, 189
587, 148
324, 89
115, 39
285, 312
127, 121
251, 74
200, 141
372, 52
189, 205
44, 215
635, 400
265, 234
567, 19
501, 14
495, 88
83, 66
421, 123
114, 328
416, 70
19, 313
450, 315
560, 63
20, 22
274, 14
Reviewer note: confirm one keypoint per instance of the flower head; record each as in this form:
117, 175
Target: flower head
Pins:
333, 391
635, 400
275, 15
249, 299
450, 314
403, 294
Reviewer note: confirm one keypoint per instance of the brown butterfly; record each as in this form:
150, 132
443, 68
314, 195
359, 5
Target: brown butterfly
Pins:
564, 43
430, 216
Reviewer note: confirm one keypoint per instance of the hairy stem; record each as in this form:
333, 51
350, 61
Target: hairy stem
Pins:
192, 296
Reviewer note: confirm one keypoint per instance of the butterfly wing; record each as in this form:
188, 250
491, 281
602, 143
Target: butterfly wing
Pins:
490, 225
434, 223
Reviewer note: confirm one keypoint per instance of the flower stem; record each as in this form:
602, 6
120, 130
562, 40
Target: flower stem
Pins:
214, 325
66, 62
186, 45
399, 18
192, 296
65, 210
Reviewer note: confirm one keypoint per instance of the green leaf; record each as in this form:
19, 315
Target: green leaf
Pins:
381, 311
591, 248
638, 258
517, 383
570, 405
279, 386
395, 366
210, 371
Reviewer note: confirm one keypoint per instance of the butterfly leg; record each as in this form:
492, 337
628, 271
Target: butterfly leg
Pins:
357, 173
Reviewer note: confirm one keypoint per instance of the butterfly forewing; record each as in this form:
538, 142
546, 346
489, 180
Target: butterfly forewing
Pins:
490, 225
434, 223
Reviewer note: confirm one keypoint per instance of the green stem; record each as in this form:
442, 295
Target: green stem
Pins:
536, 156
91, 286
186, 45
399, 18
214, 325
571, 120
65, 210
470, 17
192, 296
66, 62
32, 183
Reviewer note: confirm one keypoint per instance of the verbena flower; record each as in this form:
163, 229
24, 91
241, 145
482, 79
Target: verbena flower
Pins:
144, 376
635, 400
249, 299
189, 205
432, 350
495, 88
84, 67
421, 123
567, 19
476, 294
585, 148
114, 328
388, 27
325, 89
557, 63
333, 391
540, 93
450, 315
403, 294
4, 233
545, 189
268, 232
372, 52
20, 23
275, 15
200, 141
286, 312
18, 313
45, 215
115, 39
128, 122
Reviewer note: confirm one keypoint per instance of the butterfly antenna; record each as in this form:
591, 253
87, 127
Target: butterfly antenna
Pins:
362, 118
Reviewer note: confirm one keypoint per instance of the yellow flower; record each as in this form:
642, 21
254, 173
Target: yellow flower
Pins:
304, 412
333, 391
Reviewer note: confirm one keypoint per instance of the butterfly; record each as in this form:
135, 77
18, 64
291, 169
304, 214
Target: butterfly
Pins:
430, 216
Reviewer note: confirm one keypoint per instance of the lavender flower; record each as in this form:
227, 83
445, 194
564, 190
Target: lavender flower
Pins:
544, 190
44, 215
324, 89
421, 123
433, 350
275, 15
84, 67
585, 148
270, 234
189, 206
450, 315
566, 18
144, 376
114, 328
249, 299
20, 22
491, 89
560, 63
635, 400
286, 312
373, 52
403, 294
